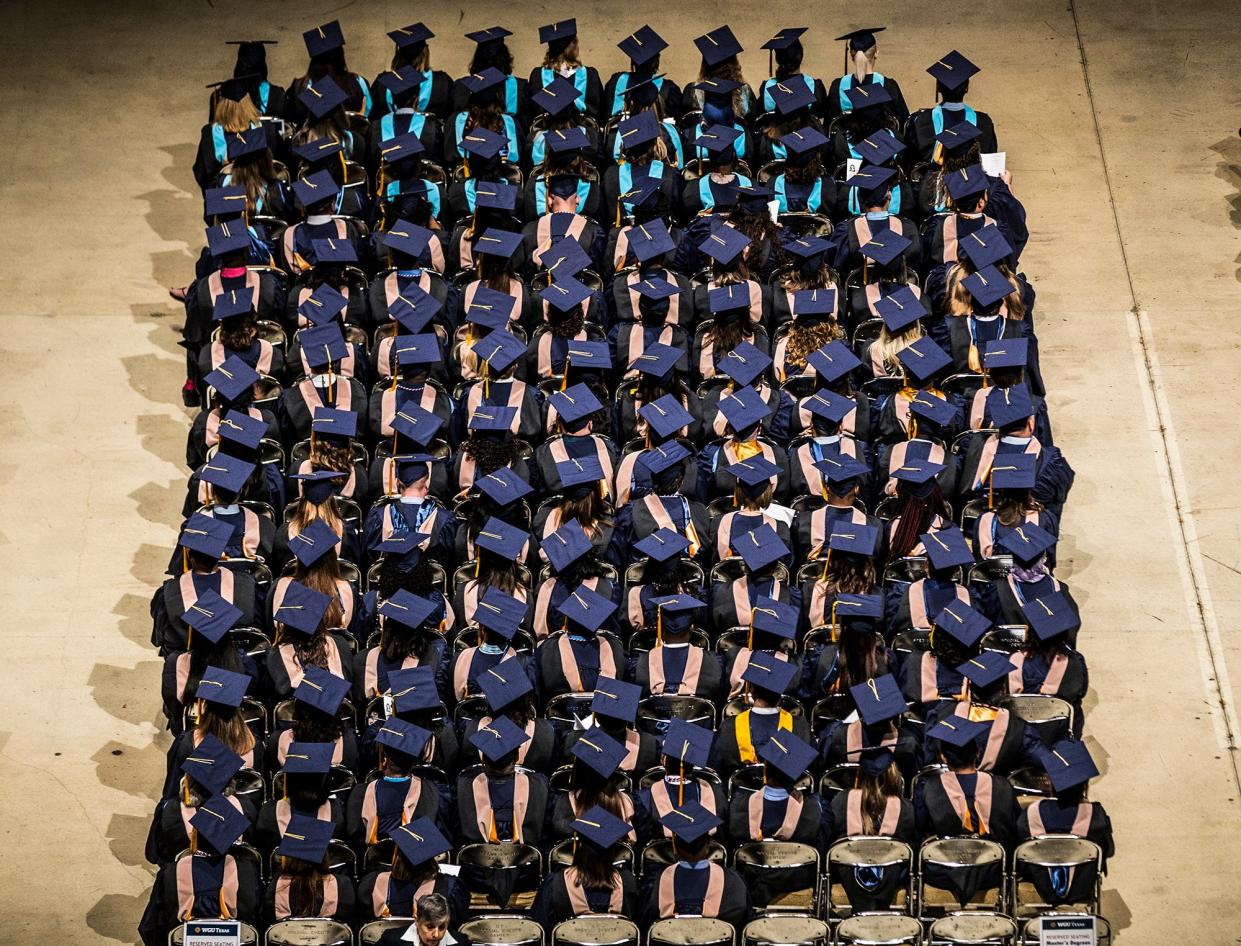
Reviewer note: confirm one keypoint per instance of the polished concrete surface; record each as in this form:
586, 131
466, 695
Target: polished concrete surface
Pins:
1119, 120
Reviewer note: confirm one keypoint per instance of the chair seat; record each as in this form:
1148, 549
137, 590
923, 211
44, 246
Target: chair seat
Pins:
879, 929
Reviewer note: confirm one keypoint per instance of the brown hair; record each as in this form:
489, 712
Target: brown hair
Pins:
238, 334
876, 790
225, 723
305, 885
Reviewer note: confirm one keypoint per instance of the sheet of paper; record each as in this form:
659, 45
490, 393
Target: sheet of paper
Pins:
993, 164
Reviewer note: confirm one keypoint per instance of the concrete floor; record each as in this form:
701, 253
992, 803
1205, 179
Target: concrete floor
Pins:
1119, 120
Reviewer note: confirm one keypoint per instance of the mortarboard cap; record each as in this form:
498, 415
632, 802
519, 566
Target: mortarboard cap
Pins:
666, 416
744, 408
833, 361
206, 535
962, 622
587, 609
236, 427
984, 669
933, 407
878, 699
857, 538
615, 699
323, 39
504, 684
649, 241
228, 237
502, 538
332, 250
637, 130
556, 96
489, 308
1008, 406
484, 143
768, 672
414, 690
420, 841
212, 616
219, 823
403, 737
642, 45
413, 350
955, 730
917, 472
575, 405
222, 687
323, 345
804, 141
966, 181
760, 547
880, 147
863, 38
331, 422
227, 473
493, 418
224, 201
493, 34
500, 613
876, 760
688, 743
690, 822
306, 838
790, 96
885, 246
868, 95
308, 758
565, 294
851, 607
788, 753
302, 608
566, 545
662, 545
1006, 353
923, 358
755, 474
953, 70
313, 542
503, 486
322, 690
717, 45
1068, 764
323, 97
407, 609
562, 29
718, 138
321, 149
595, 356
315, 189
476, 84
600, 751
829, 405
1051, 615
745, 363
1027, 541
841, 469
499, 349
600, 827
988, 286
410, 35
985, 247
775, 617
212, 764
322, 305
871, 179
1014, 471
499, 738
657, 360
401, 148
785, 38
901, 307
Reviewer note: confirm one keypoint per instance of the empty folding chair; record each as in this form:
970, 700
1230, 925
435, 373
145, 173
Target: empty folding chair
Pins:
308, 933
960, 874
879, 929
690, 931
1054, 871
781, 875
786, 929
973, 929
502, 930
597, 931
867, 874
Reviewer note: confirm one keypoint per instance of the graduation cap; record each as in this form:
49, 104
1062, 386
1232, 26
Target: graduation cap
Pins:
984, 248
850, 607
204, 534
657, 360
768, 672
648, 241
332, 251
744, 363
318, 485
760, 547
306, 838
662, 545
595, 356
642, 45
224, 201
868, 95
557, 96
321, 149
315, 188
226, 472
308, 758
1068, 764
666, 415
575, 405
788, 753
322, 97
323, 345
774, 617
564, 260
402, 736
331, 422
228, 237
923, 358
690, 822
878, 699
323, 39
641, 192
240, 144
861, 38
986, 668
222, 687
413, 309
566, 545
489, 308
918, 472
744, 408
810, 249
503, 486
785, 38
637, 130
599, 751
956, 731
242, 429
476, 84
565, 294
791, 96
500, 613
302, 608
1015, 471
829, 405
833, 361
754, 475
407, 609
493, 34
483, 143
414, 690
880, 147
615, 699
988, 286
414, 350
502, 538
953, 70
587, 609
718, 138
564, 141
1006, 353
219, 823
406, 546
717, 45
212, 764
885, 246
600, 827
313, 542
410, 35
401, 148
811, 306
321, 690
504, 684
1051, 615
658, 459
233, 89
962, 622
420, 841
560, 30
901, 307
398, 81
492, 418
322, 305
675, 613
872, 181
966, 181
856, 538
212, 616
1008, 406
1027, 541
499, 349
933, 407
876, 760
804, 142
499, 738
579, 475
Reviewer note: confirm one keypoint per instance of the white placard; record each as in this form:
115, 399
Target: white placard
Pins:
1067, 931
852, 166
213, 933
773, 209
449, 870
993, 164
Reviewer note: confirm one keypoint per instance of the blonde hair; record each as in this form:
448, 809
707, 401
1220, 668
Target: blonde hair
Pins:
235, 116
890, 343
958, 301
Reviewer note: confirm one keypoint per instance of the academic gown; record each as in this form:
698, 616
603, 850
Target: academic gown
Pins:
740, 736
842, 743
680, 670
205, 430
298, 403
653, 803
171, 601
627, 423
642, 754
562, 897
379, 897
813, 527
539, 753
871, 888
207, 886
732, 603
714, 459
684, 890
1053, 475
617, 183
837, 99
1087, 820
922, 126
476, 824
795, 817
340, 902
170, 828
628, 305
273, 821
572, 663
1004, 744
376, 808
944, 802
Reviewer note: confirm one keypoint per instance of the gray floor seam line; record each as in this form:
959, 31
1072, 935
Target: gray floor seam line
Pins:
1149, 380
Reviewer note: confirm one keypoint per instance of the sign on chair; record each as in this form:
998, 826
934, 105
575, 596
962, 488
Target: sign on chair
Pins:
1067, 931
214, 933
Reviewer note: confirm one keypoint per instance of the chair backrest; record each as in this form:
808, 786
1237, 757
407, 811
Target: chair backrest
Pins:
781, 875
981, 928
879, 929
659, 853
787, 929
308, 932
598, 930
372, 932
176, 937
960, 852
1056, 850
503, 930
1031, 936
655, 712
691, 931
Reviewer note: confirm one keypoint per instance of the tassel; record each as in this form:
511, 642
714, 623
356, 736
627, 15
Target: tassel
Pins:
681, 786
827, 561
659, 625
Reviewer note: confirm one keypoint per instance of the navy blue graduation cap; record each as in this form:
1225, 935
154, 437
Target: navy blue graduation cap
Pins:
878, 699
563, 141
809, 249
1006, 353
600, 751
675, 613
1009, 406
684, 742
868, 95
493, 34
600, 827
321, 149
755, 198
556, 96
476, 84
566, 545
956, 731
856, 538
503, 486
1027, 541
833, 361
850, 607
482, 142
1068, 763
499, 738
308, 758
562, 29
222, 687
407, 609
302, 608
666, 415
410, 35
306, 838
760, 547
204, 534
502, 538
578, 472
226, 472
225, 201
871, 179
767, 672
988, 286
785, 38
880, 147
228, 237
322, 305
1015, 471
642, 45
658, 360
313, 542
413, 309
932, 407
323, 345
901, 307
788, 753
637, 130
420, 841
615, 699
690, 822
575, 405
774, 617
219, 823
489, 308
842, 470
966, 181
400, 148
863, 38
587, 609
754, 474
744, 408
962, 622
744, 363
332, 250
923, 358
986, 668
813, 305
504, 684
1051, 615
804, 141
500, 613
315, 189
332, 422
917, 472
397, 81
885, 246
496, 195
318, 485
953, 70
414, 690
595, 356
243, 143
322, 97
321, 690
499, 349
650, 240
662, 545
876, 760
565, 293
956, 138
403, 737
323, 39
493, 418
413, 350
790, 96
717, 45
829, 405
236, 427
565, 259
985, 247
718, 138
212, 616
212, 764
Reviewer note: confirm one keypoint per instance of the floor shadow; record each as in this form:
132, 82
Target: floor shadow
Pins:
116, 915
126, 692
163, 436
127, 839
161, 503
156, 377
1114, 909
135, 622
1229, 171
135, 771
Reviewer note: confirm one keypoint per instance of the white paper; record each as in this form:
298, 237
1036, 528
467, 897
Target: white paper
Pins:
852, 166
389, 705
449, 870
993, 164
213, 933
781, 513
773, 208
1067, 931
581, 725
